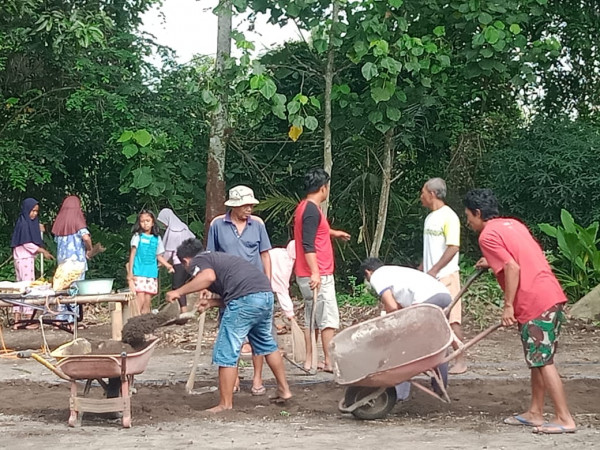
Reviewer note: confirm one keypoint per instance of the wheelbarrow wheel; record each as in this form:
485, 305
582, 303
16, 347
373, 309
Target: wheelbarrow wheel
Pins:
377, 408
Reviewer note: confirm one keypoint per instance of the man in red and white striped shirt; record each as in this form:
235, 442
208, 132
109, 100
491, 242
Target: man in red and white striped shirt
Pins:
315, 263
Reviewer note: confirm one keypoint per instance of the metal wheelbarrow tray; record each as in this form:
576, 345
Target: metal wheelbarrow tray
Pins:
374, 356
388, 350
97, 367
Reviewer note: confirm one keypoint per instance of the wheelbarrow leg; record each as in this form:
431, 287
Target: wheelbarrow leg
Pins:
126, 401
125, 381
88, 386
75, 416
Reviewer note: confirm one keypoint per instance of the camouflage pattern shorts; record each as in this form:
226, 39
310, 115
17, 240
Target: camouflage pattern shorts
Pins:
540, 336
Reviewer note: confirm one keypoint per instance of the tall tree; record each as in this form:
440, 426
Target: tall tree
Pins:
215, 169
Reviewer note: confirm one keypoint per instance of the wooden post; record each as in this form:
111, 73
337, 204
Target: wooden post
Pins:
116, 319
126, 313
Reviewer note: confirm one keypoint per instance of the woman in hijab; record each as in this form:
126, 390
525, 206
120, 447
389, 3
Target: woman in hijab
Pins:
26, 243
175, 234
73, 241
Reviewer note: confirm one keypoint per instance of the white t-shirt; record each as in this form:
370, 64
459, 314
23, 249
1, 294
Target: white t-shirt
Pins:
409, 286
442, 228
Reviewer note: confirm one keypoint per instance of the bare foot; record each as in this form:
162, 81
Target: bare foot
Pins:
460, 366
324, 367
280, 399
569, 423
282, 395
246, 349
218, 409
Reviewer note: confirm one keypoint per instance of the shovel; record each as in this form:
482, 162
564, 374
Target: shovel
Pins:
182, 319
189, 386
313, 338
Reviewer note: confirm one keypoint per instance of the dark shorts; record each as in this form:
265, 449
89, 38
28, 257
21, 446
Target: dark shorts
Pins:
540, 336
441, 300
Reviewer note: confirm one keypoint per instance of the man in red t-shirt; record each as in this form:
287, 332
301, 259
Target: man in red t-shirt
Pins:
315, 263
533, 299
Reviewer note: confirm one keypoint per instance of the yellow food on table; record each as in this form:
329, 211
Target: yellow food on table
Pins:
66, 273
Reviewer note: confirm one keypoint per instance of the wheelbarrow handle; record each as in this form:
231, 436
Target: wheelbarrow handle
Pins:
463, 290
52, 367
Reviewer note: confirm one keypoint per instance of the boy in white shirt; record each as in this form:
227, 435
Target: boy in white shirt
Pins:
401, 287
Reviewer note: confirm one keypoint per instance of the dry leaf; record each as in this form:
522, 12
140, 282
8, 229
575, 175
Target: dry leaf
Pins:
295, 132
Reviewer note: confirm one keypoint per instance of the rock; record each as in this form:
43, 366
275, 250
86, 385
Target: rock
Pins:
588, 307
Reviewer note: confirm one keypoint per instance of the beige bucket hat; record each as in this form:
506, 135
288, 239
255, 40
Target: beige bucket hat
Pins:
240, 196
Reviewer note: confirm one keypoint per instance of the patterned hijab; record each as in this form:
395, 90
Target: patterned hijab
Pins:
27, 230
70, 218
176, 232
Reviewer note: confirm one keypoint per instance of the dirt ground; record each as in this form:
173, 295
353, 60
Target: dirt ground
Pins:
35, 402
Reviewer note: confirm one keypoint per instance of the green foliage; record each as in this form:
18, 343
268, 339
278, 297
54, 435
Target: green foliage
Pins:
547, 167
81, 111
577, 261
484, 299
357, 295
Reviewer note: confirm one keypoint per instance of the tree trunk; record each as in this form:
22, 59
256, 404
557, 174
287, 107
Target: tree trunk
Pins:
384, 198
327, 150
215, 170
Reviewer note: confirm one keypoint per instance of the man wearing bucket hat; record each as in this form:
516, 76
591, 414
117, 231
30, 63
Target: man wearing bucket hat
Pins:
240, 233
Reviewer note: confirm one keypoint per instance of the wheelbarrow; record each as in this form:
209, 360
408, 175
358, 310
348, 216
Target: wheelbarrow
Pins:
119, 369
375, 356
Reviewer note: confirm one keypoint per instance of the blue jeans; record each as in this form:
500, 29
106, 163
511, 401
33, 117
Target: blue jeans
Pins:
249, 316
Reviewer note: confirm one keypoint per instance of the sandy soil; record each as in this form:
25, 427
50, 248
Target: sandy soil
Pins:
35, 404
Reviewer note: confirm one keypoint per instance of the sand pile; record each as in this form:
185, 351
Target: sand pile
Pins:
84, 347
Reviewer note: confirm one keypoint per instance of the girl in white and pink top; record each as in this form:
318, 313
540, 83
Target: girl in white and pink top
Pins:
282, 266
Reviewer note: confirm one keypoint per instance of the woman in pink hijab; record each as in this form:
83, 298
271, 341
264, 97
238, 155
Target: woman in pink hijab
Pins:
73, 241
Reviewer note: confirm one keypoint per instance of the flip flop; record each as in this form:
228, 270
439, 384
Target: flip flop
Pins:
280, 400
258, 391
553, 428
321, 367
519, 421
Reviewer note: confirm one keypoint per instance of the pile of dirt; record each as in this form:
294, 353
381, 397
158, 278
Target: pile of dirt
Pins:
135, 330
110, 348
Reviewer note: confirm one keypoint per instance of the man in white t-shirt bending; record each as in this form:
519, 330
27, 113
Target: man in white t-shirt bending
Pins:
400, 287
441, 243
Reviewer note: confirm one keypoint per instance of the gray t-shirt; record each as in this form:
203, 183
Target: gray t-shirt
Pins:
223, 236
236, 277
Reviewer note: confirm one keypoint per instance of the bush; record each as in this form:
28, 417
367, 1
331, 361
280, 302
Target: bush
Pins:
359, 295
577, 258
484, 298
549, 166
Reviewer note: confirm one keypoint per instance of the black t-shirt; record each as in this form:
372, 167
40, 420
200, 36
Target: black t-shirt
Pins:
236, 277
311, 217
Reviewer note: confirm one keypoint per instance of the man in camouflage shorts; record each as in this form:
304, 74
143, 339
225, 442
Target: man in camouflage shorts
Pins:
540, 336
533, 298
